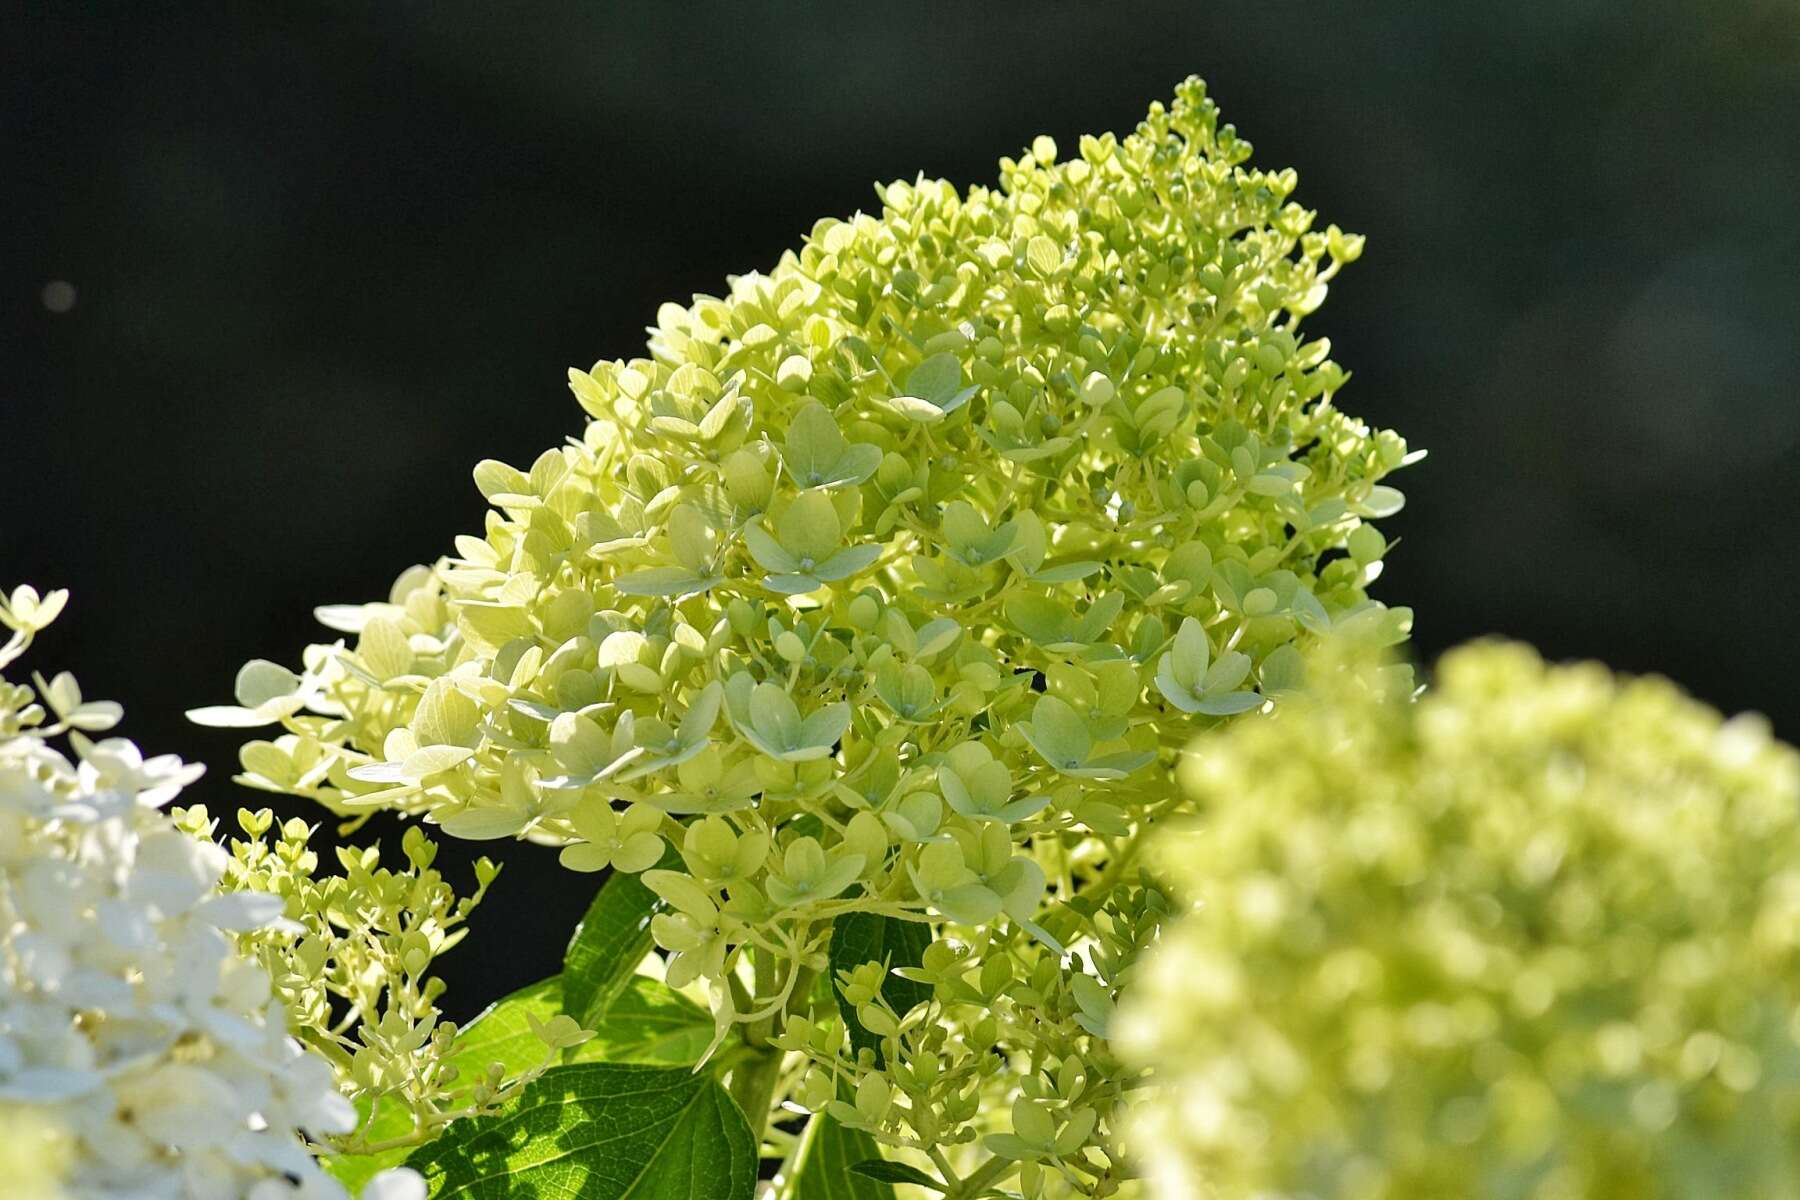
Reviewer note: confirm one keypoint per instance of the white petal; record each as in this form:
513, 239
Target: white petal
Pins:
240, 911
399, 1183
49, 1085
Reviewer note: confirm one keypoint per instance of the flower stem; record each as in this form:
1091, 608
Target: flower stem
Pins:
988, 1173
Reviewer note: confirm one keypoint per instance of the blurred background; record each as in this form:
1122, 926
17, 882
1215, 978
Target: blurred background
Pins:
275, 278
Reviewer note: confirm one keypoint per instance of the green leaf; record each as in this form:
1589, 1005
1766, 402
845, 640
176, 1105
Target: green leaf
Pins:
893, 1172
857, 938
355, 1170
600, 1131
502, 1034
649, 1022
828, 1168
610, 942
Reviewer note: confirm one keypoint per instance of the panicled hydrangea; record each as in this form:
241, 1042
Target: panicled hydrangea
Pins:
889, 585
1534, 936
140, 1055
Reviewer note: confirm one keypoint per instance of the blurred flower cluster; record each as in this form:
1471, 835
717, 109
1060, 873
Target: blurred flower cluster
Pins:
890, 584
140, 1054
1534, 936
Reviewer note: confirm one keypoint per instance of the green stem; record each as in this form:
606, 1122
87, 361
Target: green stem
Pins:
945, 1171
753, 1086
788, 1175
753, 1080
1114, 871
990, 1172
1125, 854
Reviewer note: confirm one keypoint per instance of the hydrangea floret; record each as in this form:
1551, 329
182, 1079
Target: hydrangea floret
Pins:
140, 1054
869, 612
1536, 935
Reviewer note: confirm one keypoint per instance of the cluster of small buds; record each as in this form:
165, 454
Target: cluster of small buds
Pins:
363, 942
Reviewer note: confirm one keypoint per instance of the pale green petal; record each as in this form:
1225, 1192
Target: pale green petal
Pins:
585, 856
1059, 733
809, 529
638, 852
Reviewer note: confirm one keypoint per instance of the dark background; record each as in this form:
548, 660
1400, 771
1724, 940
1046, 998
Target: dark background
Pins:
324, 259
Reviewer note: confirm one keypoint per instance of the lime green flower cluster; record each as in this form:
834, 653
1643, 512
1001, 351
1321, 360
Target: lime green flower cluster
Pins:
1535, 936
888, 586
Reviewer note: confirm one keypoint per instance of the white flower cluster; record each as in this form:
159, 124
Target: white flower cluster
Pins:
129, 1025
